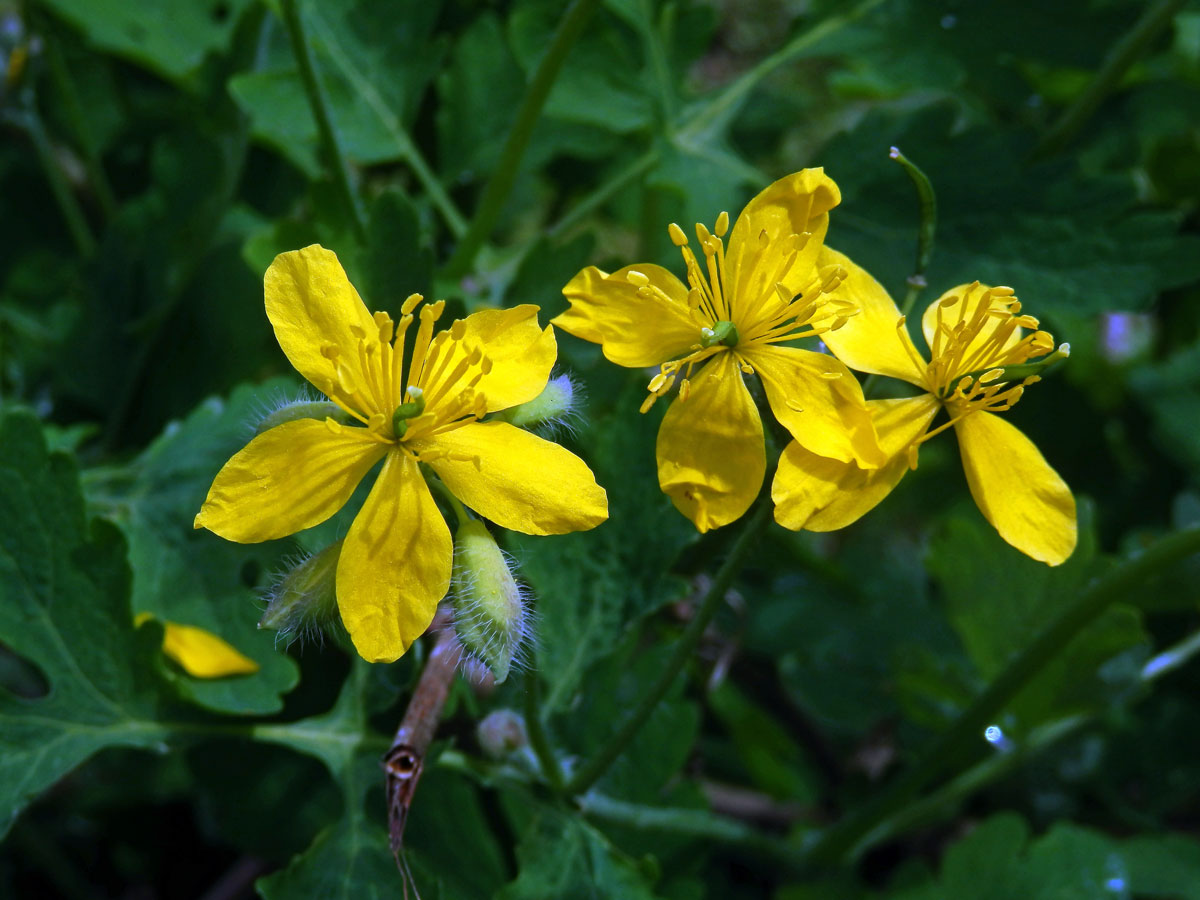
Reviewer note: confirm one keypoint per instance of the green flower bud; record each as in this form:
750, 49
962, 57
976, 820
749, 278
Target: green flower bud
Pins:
301, 409
553, 407
490, 614
304, 599
502, 733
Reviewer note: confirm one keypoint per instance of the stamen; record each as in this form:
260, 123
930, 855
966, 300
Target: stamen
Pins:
636, 278
411, 302
722, 225
678, 238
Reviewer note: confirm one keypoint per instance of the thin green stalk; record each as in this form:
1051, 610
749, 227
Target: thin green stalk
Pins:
495, 194
435, 483
724, 104
335, 157
65, 85
658, 60
72, 212
685, 648
537, 733
847, 836
1120, 58
601, 195
927, 201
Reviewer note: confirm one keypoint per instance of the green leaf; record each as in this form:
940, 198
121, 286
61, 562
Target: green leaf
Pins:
64, 607
1170, 390
562, 856
374, 64
998, 600
397, 260
196, 578
173, 42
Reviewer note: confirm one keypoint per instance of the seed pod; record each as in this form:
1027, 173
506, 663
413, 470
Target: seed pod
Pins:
490, 610
300, 409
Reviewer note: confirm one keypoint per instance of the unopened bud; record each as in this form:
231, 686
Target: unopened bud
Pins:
553, 407
301, 409
501, 733
489, 607
304, 598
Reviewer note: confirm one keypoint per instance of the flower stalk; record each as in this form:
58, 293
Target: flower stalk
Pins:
847, 837
685, 648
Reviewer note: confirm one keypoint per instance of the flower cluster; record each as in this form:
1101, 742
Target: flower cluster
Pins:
769, 321
723, 334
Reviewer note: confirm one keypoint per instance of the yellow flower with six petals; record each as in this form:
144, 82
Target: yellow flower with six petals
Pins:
730, 321
981, 348
396, 560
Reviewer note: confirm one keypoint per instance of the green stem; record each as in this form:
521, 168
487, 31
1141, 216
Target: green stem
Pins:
65, 85
1120, 58
658, 60
435, 483
847, 836
71, 211
727, 101
537, 733
335, 157
685, 648
927, 201
495, 194
635, 169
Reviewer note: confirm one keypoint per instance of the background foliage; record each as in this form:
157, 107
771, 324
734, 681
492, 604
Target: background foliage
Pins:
152, 166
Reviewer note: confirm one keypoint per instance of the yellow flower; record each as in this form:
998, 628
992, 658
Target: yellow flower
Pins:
976, 334
396, 559
742, 305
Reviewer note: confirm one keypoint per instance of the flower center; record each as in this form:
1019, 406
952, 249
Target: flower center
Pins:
439, 393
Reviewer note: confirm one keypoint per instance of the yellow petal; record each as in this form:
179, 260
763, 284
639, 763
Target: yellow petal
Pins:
633, 329
710, 450
202, 654
1015, 488
870, 341
522, 482
819, 401
521, 351
761, 248
311, 305
289, 478
962, 304
821, 494
395, 563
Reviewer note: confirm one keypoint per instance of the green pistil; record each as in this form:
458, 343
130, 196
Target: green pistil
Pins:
409, 409
721, 333
1019, 372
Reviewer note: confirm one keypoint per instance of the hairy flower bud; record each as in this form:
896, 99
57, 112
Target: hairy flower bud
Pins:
553, 408
302, 408
304, 598
501, 733
490, 614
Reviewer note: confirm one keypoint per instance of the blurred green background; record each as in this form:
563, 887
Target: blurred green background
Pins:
157, 156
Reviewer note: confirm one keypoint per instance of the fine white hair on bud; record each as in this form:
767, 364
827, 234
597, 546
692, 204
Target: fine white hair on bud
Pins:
304, 405
490, 609
554, 411
303, 602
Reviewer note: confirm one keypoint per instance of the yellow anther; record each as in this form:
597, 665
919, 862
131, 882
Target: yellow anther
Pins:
746, 367
949, 301
358, 332
458, 330
635, 277
703, 235
764, 239
411, 302
678, 238
330, 351
685, 390
1027, 321
695, 298
376, 421
486, 365
657, 382
334, 427
794, 406
838, 322
783, 291
480, 409
798, 242
475, 356
722, 225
